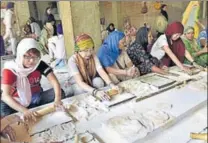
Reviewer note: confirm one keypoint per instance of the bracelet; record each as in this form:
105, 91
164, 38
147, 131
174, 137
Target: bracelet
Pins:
192, 62
94, 92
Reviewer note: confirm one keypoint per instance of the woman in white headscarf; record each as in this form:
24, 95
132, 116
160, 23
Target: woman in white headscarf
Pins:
21, 82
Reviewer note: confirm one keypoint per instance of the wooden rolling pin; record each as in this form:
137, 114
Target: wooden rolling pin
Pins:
199, 136
46, 110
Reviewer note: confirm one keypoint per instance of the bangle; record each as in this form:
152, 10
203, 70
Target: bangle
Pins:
94, 92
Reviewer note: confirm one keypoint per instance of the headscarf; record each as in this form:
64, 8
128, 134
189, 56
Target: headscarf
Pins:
142, 37
163, 12
178, 47
83, 42
87, 71
108, 28
59, 29
109, 51
10, 5
188, 29
16, 66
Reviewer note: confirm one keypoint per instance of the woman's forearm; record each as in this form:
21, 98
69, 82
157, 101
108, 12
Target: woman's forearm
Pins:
104, 76
116, 71
188, 56
13, 104
55, 84
173, 57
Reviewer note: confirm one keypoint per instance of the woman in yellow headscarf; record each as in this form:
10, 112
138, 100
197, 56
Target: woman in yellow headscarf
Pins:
86, 70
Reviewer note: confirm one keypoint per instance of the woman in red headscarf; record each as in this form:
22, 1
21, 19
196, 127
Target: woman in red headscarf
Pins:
170, 49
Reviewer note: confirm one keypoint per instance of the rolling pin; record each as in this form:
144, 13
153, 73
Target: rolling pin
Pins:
200, 136
46, 110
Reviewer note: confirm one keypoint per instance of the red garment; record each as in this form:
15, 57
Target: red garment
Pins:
10, 78
178, 47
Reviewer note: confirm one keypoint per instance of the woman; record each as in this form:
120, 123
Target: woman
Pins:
170, 49
49, 17
21, 82
111, 28
9, 21
200, 55
138, 53
35, 28
130, 33
114, 58
46, 33
162, 20
47, 14
27, 32
86, 70
56, 48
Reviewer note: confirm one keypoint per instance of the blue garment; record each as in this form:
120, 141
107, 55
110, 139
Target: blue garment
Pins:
109, 51
60, 63
2, 48
202, 34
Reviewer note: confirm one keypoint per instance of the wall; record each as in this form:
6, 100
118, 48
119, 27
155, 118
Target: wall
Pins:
86, 19
132, 10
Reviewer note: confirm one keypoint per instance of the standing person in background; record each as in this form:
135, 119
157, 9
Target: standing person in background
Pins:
46, 33
162, 20
48, 16
9, 21
35, 28
56, 48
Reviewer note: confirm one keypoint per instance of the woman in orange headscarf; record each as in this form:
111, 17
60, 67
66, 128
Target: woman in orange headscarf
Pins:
86, 69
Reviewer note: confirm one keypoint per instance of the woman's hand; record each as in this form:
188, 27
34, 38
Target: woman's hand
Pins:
30, 116
113, 86
132, 71
198, 66
187, 70
59, 105
9, 133
102, 95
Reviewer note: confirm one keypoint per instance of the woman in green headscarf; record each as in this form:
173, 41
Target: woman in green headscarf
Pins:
200, 55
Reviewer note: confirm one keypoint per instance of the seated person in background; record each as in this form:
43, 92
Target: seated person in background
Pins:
111, 28
202, 38
56, 48
200, 55
35, 28
21, 82
170, 49
130, 33
46, 33
113, 57
86, 70
27, 32
138, 53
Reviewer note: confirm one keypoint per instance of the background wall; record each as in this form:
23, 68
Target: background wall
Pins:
132, 10
86, 19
